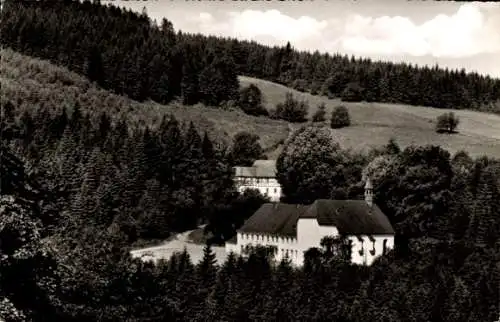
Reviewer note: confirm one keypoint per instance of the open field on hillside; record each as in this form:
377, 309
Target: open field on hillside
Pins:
35, 83
373, 124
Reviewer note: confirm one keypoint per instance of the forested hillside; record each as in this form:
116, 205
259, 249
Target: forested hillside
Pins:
35, 85
86, 173
127, 53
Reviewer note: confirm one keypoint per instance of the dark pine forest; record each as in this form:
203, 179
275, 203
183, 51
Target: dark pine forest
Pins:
129, 54
80, 185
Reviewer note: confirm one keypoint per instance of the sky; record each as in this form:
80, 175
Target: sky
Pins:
451, 34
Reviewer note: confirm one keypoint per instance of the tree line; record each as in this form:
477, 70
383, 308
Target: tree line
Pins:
132, 55
126, 53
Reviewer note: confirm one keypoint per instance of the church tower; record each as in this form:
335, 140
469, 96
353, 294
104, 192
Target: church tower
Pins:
369, 192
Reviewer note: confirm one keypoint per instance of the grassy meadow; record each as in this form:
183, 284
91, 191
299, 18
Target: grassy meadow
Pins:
373, 124
34, 84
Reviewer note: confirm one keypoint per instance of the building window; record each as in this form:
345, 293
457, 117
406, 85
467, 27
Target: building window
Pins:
384, 247
275, 190
372, 251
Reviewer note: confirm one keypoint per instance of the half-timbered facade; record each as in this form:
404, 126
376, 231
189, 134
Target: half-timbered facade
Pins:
260, 176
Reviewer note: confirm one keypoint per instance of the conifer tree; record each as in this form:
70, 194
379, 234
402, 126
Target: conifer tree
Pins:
69, 158
206, 273
59, 124
207, 267
171, 145
152, 152
218, 81
75, 121
135, 174
340, 117
27, 130
485, 223
103, 129
319, 115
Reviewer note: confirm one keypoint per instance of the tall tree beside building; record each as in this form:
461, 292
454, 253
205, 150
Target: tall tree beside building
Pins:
312, 166
245, 149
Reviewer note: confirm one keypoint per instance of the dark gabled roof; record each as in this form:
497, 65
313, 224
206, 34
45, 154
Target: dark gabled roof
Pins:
274, 219
259, 169
351, 217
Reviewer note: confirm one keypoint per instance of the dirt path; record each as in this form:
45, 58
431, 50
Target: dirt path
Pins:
177, 244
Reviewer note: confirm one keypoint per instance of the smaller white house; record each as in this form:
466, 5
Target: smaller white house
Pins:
261, 176
293, 229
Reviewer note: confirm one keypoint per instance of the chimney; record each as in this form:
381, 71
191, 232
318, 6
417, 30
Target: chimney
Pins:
369, 192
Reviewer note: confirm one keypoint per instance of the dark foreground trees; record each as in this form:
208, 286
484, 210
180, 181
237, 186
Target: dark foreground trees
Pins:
444, 275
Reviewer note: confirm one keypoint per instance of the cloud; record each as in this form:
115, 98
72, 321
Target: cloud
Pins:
251, 24
467, 32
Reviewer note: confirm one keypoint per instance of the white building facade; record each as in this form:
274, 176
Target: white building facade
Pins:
260, 176
293, 229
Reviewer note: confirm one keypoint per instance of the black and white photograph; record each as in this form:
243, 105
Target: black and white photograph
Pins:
237, 160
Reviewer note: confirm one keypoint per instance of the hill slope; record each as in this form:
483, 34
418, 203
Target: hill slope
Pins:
373, 124
34, 83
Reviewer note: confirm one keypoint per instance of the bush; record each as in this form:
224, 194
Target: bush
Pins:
273, 115
250, 101
315, 88
340, 117
447, 122
299, 85
245, 149
292, 110
353, 92
319, 116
